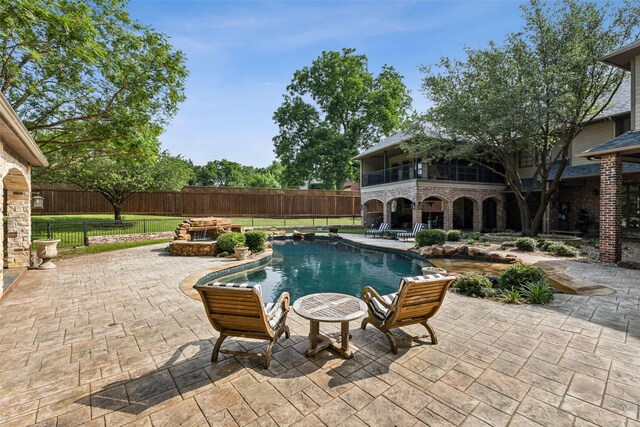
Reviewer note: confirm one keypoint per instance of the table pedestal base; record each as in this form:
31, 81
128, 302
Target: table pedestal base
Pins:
321, 342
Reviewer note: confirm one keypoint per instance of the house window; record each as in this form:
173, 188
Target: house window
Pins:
623, 125
631, 206
525, 160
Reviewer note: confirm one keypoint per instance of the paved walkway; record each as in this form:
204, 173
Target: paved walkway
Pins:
108, 339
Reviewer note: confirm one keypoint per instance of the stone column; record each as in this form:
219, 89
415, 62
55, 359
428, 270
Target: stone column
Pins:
448, 214
2, 248
416, 214
18, 229
386, 212
477, 216
501, 215
611, 208
364, 212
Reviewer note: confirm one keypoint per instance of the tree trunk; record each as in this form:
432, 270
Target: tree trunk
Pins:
117, 212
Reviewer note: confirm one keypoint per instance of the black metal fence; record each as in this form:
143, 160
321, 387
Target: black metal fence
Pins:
76, 233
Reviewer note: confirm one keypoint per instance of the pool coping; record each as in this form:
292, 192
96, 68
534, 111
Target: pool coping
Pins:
228, 267
554, 272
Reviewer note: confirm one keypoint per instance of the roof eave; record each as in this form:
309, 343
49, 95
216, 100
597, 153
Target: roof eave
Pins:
621, 58
23, 143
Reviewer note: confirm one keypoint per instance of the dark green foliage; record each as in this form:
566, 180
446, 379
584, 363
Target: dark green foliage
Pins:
430, 237
331, 110
474, 285
255, 240
539, 293
228, 241
526, 244
472, 235
511, 296
561, 249
454, 235
519, 276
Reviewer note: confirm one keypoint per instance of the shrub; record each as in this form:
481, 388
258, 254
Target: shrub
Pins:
519, 276
526, 244
430, 237
228, 241
471, 241
512, 296
560, 249
255, 240
472, 235
474, 285
454, 235
539, 292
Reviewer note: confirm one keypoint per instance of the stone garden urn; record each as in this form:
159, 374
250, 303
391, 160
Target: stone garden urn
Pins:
47, 249
241, 252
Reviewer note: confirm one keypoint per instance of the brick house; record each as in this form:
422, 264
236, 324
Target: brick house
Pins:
19, 154
402, 190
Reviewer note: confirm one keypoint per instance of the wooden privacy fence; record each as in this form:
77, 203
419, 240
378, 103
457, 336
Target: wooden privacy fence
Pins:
203, 201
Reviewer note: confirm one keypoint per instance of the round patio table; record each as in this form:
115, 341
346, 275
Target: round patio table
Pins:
329, 308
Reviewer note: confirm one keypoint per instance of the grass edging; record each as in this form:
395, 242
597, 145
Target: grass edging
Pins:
107, 247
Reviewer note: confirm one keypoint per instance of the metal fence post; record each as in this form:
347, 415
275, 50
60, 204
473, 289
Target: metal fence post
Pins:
144, 226
84, 230
327, 220
49, 231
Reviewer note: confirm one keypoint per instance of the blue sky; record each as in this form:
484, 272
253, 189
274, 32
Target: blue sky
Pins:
242, 54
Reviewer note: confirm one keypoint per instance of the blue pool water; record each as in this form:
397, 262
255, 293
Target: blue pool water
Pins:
311, 266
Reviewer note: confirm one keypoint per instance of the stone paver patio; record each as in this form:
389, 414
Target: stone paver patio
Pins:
109, 339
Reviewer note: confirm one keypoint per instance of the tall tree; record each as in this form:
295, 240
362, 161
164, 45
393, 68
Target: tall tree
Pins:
531, 95
331, 110
86, 79
118, 178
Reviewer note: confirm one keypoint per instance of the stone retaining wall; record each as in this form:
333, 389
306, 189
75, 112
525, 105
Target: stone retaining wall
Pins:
122, 238
190, 248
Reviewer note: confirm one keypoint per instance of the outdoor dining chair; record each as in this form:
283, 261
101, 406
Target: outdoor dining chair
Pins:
415, 302
237, 310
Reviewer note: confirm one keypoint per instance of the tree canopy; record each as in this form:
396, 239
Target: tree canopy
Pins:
531, 95
225, 173
118, 178
331, 110
86, 79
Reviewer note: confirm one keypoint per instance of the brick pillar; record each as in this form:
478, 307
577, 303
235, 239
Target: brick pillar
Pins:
501, 214
611, 208
364, 212
416, 213
448, 215
386, 212
477, 216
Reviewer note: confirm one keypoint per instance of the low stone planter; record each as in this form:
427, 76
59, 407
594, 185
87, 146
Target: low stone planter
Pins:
241, 253
46, 250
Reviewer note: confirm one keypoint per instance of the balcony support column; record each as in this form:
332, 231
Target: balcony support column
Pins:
448, 214
386, 212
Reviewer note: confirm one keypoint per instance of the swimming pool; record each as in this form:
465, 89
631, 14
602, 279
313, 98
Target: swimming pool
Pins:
311, 266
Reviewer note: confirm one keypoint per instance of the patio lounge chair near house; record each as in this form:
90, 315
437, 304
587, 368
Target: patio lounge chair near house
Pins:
237, 310
406, 235
377, 231
415, 302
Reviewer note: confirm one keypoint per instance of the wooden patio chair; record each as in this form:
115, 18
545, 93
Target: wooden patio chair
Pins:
237, 310
377, 231
415, 302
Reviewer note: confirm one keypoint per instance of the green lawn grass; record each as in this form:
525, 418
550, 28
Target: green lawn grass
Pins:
94, 217
83, 250
70, 228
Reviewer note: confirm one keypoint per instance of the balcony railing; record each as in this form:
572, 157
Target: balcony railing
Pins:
439, 172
